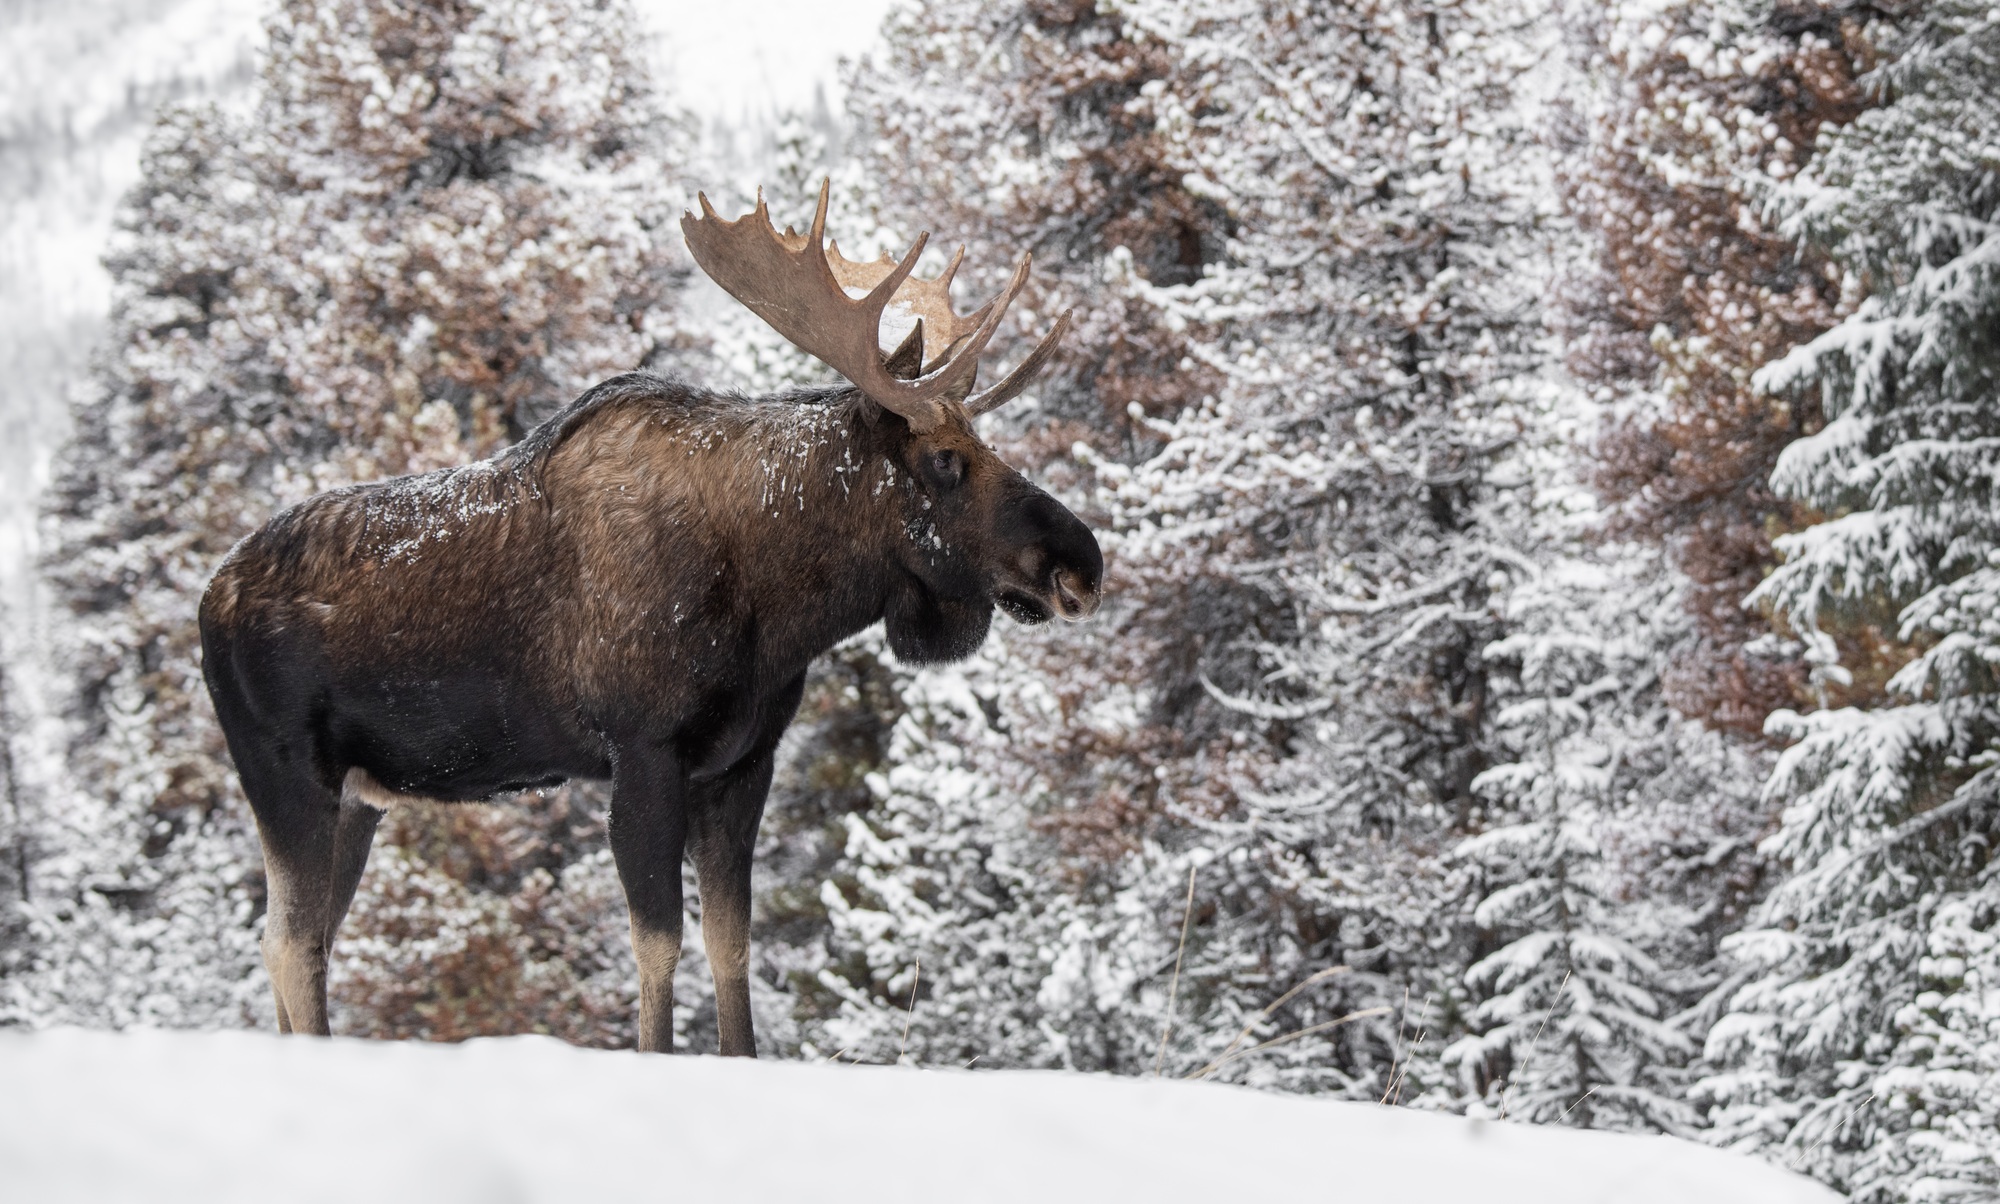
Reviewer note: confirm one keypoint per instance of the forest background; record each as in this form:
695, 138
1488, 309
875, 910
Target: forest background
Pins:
1544, 451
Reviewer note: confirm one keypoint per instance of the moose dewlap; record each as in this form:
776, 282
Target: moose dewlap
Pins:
633, 592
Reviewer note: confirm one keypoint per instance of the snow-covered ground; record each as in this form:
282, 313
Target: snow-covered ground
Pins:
164, 1116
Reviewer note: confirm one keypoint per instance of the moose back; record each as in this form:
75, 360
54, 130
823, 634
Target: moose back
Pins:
633, 593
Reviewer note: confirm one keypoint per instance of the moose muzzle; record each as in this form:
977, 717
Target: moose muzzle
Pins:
1055, 568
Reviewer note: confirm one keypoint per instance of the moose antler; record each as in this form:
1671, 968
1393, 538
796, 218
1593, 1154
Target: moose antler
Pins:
797, 283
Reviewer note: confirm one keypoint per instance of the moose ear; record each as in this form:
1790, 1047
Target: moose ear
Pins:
907, 360
960, 392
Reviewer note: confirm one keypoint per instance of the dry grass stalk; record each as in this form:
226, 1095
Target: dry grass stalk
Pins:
915, 979
1403, 1079
1281, 1001
1534, 1044
1399, 1076
1308, 1031
1800, 1161
1579, 1099
1173, 990
1396, 1055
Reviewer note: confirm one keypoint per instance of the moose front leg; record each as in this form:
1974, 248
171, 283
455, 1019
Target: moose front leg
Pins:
648, 828
725, 837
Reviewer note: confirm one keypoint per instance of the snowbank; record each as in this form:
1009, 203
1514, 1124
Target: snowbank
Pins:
162, 1116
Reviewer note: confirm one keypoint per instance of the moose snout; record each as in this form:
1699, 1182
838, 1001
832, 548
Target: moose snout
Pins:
1077, 579
1056, 567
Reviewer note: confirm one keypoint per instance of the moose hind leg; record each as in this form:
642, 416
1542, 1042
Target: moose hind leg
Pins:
299, 858
353, 835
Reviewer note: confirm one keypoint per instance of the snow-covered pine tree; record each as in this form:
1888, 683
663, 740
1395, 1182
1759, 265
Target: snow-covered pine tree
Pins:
1863, 1045
1602, 865
430, 225
1571, 1009
1296, 236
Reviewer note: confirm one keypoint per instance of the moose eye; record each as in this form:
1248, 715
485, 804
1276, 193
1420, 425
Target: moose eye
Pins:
947, 467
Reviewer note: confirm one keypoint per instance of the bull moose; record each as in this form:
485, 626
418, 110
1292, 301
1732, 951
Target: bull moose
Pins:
632, 592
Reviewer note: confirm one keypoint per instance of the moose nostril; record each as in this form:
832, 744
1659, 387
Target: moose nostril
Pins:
1075, 600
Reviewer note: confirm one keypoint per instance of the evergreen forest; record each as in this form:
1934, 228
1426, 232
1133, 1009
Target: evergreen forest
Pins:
1546, 455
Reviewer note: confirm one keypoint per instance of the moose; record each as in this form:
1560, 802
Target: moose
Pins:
633, 592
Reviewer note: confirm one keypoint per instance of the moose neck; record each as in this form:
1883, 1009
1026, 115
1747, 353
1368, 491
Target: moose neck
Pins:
818, 547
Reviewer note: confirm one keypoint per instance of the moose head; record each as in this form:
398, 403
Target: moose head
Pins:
980, 533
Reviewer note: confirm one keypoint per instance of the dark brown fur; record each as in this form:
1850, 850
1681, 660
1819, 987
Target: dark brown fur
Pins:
633, 592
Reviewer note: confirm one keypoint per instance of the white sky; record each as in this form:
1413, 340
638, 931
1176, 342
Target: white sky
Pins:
725, 58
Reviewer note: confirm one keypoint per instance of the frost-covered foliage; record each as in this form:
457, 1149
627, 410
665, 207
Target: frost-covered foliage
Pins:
17, 835
1864, 1038
427, 226
1603, 864
1306, 406
80, 81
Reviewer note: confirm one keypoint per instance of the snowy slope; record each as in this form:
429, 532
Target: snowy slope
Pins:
163, 1116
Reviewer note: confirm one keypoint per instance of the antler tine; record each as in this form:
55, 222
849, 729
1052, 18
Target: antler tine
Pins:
951, 269
907, 360
965, 363
797, 284
1024, 372
928, 299
817, 239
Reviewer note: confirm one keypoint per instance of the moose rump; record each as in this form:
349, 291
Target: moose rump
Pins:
632, 593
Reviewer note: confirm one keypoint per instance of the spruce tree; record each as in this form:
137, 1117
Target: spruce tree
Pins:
1571, 1010
1862, 1043
1684, 116
18, 841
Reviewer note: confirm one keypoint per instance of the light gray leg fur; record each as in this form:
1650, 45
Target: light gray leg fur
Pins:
311, 883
